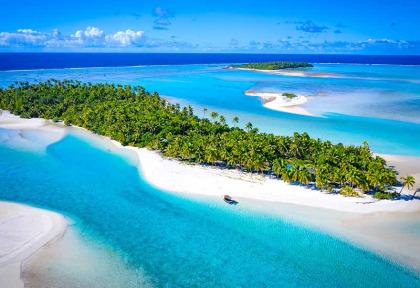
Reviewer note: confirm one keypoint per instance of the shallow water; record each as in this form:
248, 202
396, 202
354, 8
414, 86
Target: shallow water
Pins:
176, 241
376, 103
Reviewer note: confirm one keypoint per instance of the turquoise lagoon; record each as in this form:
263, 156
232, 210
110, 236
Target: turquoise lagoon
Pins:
142, 236
161, 239
376, 103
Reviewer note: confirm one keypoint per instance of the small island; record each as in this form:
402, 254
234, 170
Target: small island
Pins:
274, 65
284, 68
283, 102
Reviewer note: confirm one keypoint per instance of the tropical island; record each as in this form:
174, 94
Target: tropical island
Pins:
135, 117
274, 65
284, 68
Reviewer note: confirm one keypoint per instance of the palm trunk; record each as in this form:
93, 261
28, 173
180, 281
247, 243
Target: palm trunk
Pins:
414, 194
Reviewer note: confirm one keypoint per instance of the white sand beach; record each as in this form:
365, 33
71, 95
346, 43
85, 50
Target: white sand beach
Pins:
173, 175
52, 132
23, 231
292, 72
404, 165
275, 101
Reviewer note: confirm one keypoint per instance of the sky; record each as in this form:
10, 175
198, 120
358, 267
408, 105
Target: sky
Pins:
263, 26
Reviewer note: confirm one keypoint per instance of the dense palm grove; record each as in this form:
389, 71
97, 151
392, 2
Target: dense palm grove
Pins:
135, 117
275, 65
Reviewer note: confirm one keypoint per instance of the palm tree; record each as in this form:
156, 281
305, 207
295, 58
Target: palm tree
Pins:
211, 155
222, 120
286, 175
305, 176
415, 192
278, 165
248, 126
408, 181
204, 112
214, 115
235, 121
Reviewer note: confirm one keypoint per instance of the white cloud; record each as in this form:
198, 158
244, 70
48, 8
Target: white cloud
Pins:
23, 37
91, 37
28, 31
127, 38
329, 46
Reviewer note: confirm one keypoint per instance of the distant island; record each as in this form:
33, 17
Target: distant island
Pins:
275, 65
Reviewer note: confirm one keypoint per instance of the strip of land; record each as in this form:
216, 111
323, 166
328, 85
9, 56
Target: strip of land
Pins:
276, 101
23, 231
174, 175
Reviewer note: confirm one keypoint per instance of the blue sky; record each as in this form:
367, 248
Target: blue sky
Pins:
306, 26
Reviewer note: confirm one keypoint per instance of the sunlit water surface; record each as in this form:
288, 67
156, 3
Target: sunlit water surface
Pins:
164, 240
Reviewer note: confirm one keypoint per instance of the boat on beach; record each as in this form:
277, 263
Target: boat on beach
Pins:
229, 200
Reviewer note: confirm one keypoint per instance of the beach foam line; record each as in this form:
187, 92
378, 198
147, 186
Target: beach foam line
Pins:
23, 231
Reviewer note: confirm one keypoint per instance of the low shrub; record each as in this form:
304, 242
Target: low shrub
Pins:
385, 195
289, 95
349, 192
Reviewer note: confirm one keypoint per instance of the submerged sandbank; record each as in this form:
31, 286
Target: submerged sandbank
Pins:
23, 231
78, 259
292, 72
52, 132
276, 101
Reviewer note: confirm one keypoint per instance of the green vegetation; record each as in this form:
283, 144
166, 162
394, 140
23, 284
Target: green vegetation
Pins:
408, 181
385, 195
135, 117
289, 95
275, 65
349, 192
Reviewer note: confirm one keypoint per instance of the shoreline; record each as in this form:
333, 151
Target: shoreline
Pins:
190, 178
364, 222
24, 231
197, 179
291, 72
276, 101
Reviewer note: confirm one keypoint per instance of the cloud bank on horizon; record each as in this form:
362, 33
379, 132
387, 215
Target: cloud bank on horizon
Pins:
253, 27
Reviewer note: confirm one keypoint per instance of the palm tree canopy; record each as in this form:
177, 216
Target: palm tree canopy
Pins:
133, 116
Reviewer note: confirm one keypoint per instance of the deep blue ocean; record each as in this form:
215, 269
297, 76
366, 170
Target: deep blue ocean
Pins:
29, 61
